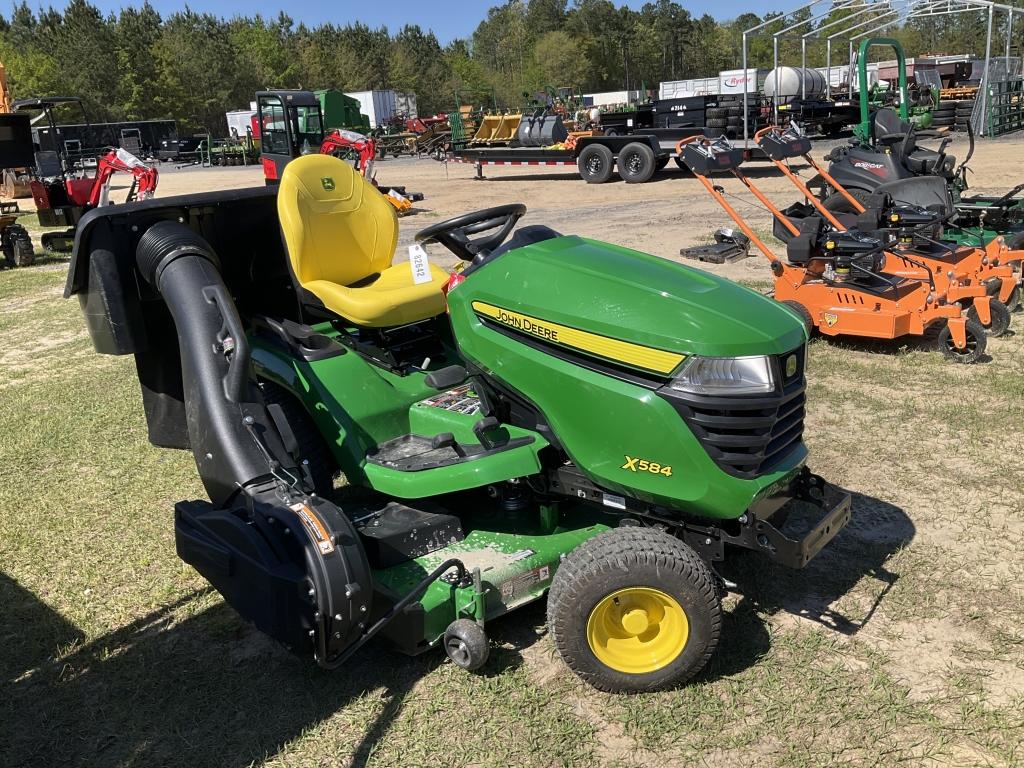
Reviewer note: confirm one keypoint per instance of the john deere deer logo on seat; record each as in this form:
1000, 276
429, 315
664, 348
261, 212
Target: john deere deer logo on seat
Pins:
328, 183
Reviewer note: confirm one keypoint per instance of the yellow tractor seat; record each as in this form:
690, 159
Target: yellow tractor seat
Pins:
340, 234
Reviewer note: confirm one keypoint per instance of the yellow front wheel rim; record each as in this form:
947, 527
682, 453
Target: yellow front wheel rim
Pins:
637, 630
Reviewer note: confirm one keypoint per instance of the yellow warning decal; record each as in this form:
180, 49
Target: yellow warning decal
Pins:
611, 349
314, 527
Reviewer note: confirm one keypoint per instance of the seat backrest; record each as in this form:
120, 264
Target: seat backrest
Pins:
928, 192
887, 121
335, 225
48, 164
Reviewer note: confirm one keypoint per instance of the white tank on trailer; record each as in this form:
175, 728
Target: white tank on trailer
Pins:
795, 83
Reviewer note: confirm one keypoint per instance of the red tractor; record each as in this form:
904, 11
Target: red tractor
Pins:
62, 199
61, 191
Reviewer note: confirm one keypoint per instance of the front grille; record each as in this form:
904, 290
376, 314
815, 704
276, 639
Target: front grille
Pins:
748, 435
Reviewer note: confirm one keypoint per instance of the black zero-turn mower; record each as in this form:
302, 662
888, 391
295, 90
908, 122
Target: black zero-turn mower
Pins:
584, 419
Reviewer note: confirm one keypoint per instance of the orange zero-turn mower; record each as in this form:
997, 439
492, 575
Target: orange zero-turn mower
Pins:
979, 279
833, 280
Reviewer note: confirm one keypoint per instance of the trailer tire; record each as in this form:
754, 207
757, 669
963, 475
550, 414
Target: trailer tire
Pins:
613, 131
715, 113
716, 122
22, 250
595, 164
636, 163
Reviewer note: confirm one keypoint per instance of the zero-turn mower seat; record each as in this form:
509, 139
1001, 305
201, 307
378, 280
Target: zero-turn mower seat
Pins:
340, 234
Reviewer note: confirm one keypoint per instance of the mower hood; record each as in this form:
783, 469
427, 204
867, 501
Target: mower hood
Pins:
624, 295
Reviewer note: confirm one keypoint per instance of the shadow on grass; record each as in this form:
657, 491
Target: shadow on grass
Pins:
181, 687
877, 531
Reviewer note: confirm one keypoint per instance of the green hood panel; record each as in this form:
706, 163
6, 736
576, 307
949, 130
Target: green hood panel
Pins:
635, 297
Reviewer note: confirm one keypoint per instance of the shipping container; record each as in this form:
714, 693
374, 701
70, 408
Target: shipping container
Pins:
378, 106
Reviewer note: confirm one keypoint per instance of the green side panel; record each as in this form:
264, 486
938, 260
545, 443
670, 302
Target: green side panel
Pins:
515, 569
600, 420
356, 405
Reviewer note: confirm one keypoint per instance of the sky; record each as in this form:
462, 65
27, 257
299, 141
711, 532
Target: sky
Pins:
449, 19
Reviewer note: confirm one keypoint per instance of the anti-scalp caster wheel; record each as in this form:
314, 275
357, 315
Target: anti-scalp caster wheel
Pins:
634, 609
466, 644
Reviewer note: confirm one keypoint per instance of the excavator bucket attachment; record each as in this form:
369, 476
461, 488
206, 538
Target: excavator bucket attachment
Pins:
497, 129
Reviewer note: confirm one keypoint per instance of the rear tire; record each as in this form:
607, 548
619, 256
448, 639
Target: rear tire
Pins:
21, 246
634, 609
836, 203
595, 164
1000, 318
312, 447
975, 343
636, 163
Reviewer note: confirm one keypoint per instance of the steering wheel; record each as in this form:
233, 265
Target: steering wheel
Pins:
455, 234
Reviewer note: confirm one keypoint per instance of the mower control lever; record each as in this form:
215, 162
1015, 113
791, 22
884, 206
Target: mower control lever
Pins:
480, 430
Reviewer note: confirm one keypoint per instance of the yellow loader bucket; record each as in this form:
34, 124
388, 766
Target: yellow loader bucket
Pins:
497, 129
485, 131
506, 130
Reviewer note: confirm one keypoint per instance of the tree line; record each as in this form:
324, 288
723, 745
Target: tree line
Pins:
193, 67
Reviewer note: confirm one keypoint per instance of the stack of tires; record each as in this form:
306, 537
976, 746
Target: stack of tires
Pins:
727, 118
962, 114
953, 114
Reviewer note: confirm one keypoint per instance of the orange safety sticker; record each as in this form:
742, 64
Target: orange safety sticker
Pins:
315, 527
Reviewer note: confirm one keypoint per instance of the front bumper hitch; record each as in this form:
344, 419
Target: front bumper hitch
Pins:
775, 528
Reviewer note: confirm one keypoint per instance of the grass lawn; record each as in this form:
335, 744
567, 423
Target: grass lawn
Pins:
900, 645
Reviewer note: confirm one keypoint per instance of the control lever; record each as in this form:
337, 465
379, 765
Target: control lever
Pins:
480, 430
447, 440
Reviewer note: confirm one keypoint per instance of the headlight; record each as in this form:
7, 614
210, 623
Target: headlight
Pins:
725, 376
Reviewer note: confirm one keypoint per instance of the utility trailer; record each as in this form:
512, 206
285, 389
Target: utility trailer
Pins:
637, 156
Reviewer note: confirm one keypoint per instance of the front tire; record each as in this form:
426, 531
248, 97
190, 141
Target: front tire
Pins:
1000, 318
634, 609
976, 342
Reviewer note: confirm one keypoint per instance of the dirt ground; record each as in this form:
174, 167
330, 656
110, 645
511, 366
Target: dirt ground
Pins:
899, 644
668, 213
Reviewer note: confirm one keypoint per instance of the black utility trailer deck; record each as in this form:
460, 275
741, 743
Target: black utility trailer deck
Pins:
636, 157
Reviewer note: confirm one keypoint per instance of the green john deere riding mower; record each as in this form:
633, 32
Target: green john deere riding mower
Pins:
562, 416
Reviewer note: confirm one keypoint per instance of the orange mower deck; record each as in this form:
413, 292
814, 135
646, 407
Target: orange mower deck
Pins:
896, 307
961, 276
